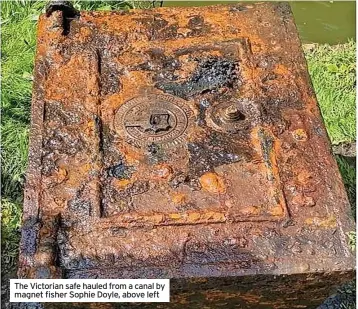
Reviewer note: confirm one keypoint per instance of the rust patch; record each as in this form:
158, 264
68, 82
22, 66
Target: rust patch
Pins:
212, 183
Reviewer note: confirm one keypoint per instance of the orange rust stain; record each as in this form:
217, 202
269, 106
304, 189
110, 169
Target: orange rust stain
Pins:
300, 135
282, 70
256, 143
212, 183
162, 171
304, 177
130, 58
197, 135
273, 170
193, 217
85, 90
250, 210
175, 216
111, 24
131, 155
213, 216
90, 127
61, 174
137, 34
49, 30
179, 198
183, 31
57, 56
131, 82
172, 218
276, 211
83, 34
303, 201
121, 183
157, 219
43, 258
110, 104
186, 69
328, 222
75, 176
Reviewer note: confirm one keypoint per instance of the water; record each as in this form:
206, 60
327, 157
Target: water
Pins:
325, 22
329, 22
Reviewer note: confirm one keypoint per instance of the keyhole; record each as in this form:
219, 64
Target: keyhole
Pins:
155, 120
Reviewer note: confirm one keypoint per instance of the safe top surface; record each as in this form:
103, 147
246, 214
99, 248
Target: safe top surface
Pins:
179, 143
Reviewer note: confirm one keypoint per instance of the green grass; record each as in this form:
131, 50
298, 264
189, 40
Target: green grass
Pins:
17, 50
332, 70
18, 46
333, 74
10, 220
348, 172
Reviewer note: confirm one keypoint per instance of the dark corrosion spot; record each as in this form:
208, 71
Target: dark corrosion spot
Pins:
120, 171
109, 73
203, 105
138, 187
56, 111
118, 231
48, 165
197, 26
266, 146
156, 154
43, 272
204, 157
159, 23
238, 8
63, 141
210, 75
27, 306
178, 179
153, 149
80, 206
29, 233
78, 262
68, 13
181, 178
196, 21
65, 6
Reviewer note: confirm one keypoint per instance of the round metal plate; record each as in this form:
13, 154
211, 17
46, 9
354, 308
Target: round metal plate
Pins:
153, 119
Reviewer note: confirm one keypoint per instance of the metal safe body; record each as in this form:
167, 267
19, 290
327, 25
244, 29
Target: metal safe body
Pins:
183, 143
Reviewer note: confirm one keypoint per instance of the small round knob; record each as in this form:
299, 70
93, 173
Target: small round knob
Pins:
232, 114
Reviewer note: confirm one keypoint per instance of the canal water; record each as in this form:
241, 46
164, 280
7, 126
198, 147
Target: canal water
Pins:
329, 22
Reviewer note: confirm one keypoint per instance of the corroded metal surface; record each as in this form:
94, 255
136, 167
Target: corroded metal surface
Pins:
186, 144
